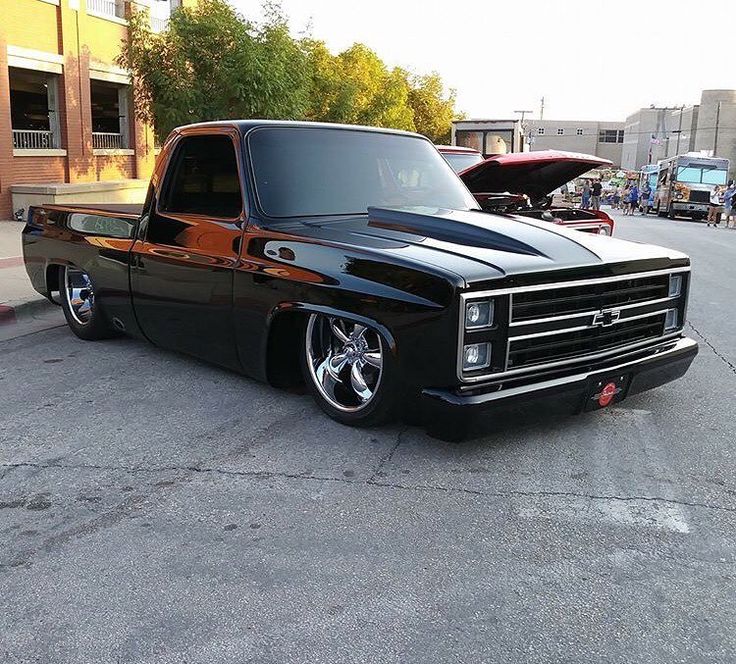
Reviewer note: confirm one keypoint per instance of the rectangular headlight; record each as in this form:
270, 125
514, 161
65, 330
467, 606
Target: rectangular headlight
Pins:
479, 314
675, 285
672, 320
476, 356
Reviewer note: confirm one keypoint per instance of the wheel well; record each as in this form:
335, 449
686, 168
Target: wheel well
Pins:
285, 337
53, 278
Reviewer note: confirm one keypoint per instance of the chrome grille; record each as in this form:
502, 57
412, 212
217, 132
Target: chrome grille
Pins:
570, 321
563, 300
565, 345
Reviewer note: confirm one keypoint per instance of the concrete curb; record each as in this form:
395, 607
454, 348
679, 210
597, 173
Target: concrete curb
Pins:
14, 310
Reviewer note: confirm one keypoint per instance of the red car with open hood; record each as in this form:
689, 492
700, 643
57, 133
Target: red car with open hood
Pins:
521, 183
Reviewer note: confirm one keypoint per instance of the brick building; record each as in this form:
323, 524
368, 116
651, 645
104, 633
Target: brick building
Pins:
67, 122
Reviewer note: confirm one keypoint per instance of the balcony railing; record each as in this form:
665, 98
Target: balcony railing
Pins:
159, 24
107, 141
113, 8
33, 139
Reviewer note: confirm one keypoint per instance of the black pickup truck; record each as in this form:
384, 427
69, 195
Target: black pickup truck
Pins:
355, 259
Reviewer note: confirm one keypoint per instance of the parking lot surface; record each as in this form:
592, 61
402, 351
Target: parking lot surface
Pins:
155, 509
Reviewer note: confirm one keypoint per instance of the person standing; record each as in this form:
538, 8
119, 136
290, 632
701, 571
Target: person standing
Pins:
728, 201
595, 197
633, 198
616, 197
646, 194
585, 203
715, 204
625, 199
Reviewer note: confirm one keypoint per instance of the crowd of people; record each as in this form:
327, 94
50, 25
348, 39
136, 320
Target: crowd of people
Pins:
630, 198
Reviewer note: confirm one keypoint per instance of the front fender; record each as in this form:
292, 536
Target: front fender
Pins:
307, 308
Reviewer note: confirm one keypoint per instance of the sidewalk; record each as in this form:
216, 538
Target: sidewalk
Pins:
17, 296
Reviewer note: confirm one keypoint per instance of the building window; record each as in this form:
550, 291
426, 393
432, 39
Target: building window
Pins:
109, 115
560, 132
540, 131
611, 136
33, 114
579, 132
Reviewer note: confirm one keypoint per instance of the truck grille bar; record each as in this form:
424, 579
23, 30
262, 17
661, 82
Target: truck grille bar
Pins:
566, 323
564, 344
567, 300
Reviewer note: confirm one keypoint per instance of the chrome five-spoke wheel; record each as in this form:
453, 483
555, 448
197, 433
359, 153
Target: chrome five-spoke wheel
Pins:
81, 309
345, 361
79, 294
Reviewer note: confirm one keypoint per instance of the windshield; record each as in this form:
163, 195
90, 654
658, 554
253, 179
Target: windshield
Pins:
306, 171
702, 174
460, 162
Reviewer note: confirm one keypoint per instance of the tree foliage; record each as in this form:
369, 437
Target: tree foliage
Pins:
433, 109
211, 63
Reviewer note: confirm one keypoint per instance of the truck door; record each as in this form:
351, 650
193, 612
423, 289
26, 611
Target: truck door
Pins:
182, 263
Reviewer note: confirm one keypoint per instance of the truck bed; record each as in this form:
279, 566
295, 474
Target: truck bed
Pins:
120, 210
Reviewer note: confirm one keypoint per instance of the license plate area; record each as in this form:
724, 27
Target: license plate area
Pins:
606, 391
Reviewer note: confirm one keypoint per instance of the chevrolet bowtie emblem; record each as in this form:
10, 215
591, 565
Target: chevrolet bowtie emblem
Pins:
606, 317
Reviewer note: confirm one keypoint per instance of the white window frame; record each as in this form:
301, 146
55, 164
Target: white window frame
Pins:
540, 131
123, 96
51, 65
560, 131
579, 132
121, 78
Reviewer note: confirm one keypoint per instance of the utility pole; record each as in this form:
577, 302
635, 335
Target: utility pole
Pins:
523, 126
715, 135
541, 109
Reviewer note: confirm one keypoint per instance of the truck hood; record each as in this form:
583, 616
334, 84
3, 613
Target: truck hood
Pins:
535, 174
477, 246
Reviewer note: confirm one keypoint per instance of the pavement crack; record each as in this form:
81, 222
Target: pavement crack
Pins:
259, 474
551, 494
718, 354
374, 481
387, 457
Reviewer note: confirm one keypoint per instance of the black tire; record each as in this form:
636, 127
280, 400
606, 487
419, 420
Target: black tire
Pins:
88, 323
340, 401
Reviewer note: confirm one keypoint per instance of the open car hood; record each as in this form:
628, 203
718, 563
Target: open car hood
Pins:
535, 174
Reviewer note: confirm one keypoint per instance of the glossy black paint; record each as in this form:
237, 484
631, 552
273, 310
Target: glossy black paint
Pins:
220, 288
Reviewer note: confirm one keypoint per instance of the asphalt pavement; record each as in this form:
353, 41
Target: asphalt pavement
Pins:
154, 509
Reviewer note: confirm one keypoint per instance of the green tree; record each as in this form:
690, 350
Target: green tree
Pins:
433, 110
213, 64
355, 87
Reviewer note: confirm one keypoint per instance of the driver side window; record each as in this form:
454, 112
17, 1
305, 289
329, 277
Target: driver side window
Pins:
203, 178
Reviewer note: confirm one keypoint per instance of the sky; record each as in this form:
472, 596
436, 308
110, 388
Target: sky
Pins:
590, 60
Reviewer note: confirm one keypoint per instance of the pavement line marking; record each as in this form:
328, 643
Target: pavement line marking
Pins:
611, 510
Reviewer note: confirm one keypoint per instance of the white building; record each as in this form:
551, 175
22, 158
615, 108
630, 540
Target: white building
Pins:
709, 127
602, 139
